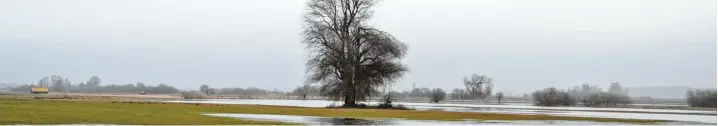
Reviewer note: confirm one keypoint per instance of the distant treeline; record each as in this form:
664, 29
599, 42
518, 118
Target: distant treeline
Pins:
247, 91
59, 84
585, 95
207, 90
702, 98
112, 88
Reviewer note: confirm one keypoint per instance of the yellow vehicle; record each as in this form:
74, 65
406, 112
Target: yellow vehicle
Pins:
39, 90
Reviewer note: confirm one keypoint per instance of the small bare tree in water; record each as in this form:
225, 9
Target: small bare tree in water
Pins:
499, 97
437, 95
348, 57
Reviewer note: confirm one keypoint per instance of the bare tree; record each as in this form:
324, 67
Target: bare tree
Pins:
584, 90
93, 84
616, 88
81, 87
459, 94
552, 97
94, 81
437, 95
206, 89
66, 86
303, 91
348, 57
701, 98
58, 84
420, 92
141, 87
499, 96
44, 82
479, 86
605, 99
593, 96
192, 95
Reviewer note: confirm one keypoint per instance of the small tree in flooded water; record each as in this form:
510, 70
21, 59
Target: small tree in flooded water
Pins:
499, 96
437, 95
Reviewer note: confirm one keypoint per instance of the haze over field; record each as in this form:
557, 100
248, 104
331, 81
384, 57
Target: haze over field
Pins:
522, 45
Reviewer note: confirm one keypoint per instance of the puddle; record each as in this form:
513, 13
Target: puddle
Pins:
313, 120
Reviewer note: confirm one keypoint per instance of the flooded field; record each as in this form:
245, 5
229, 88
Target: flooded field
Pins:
680, 116
312, 120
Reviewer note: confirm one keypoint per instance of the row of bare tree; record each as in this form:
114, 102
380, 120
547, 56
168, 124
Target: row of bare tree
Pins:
585, 94
57, 83
701, 98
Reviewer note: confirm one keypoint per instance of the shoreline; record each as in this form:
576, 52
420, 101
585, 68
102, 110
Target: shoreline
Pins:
104, 111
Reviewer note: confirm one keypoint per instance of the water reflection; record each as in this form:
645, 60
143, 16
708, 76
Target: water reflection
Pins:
312, 120
352, 121
678, 115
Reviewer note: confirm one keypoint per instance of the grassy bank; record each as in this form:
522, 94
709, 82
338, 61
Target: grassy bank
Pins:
33, 111
103, 112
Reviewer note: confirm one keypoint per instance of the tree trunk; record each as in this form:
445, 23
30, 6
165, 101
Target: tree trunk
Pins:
349, 101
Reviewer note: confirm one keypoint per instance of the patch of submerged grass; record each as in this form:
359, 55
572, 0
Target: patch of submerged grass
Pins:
34, 111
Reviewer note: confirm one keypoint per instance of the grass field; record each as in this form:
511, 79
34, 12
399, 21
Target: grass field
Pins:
33, 111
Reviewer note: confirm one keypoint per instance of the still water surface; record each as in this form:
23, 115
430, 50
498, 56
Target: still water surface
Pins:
313, 120
684, 116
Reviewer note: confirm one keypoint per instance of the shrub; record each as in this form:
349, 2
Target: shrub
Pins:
387, 101
437, 95
605, 99
499, 96
192, 95
701, 98
552, 97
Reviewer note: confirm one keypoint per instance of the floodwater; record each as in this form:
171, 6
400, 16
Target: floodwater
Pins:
683, 116
698, 119
313, 120
572, 108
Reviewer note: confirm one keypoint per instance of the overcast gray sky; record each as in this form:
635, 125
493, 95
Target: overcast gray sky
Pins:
523, 44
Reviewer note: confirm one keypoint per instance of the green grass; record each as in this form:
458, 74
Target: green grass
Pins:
104, 112
31, 111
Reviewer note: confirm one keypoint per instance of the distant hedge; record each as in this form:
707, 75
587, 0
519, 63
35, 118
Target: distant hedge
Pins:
701, 98
552, 97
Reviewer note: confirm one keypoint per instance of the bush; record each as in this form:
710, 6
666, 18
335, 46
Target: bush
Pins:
192, 95
499, 96
605, 99
437, 95
701, 98
552, 97
388, 103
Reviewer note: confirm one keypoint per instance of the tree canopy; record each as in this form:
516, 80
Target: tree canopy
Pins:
348, 57
479, 86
